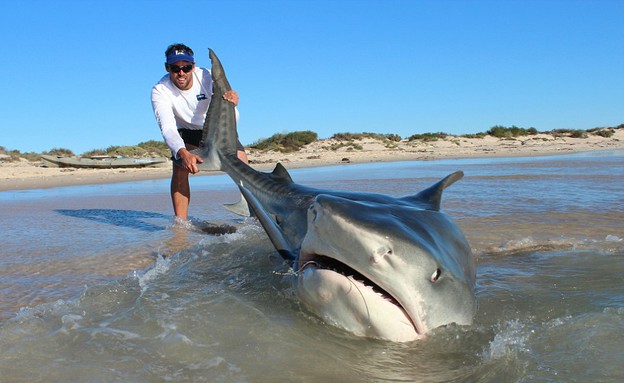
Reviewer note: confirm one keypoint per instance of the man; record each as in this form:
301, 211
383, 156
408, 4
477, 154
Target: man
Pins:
180, 101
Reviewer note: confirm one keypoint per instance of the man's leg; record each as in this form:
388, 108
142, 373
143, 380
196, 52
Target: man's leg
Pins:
180, 191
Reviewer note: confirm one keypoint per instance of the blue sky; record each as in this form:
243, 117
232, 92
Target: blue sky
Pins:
78, 74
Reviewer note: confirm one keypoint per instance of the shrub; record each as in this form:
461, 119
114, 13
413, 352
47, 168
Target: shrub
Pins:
578, 134
126, 151
61, 152
288, 142
347, 136
602, 132
508, 132
375, 136
153, 145
143, 149
361, 136
10, 155
569, 133
606, 133
94, 152
562, 131
158, 148
427, 136
30, 156
335, 147
476, 135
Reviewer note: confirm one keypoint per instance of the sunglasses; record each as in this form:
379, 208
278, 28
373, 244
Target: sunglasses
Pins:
177, 69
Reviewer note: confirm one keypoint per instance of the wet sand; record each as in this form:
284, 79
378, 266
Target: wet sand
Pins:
32, 175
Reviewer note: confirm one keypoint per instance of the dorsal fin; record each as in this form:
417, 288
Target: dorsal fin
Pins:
280, 174
432, 196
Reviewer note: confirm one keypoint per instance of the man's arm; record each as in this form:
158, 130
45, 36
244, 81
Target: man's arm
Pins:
163, 111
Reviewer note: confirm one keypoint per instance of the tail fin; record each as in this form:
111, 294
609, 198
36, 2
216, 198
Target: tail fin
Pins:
219, 137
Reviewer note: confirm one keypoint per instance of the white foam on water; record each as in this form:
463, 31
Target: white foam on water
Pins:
224, 238
71, 322
171, 334
58, 307
114, 333
510, 341
161, 266
530, 244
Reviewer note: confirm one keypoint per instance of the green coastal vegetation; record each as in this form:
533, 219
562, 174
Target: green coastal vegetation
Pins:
150, 148
294, 141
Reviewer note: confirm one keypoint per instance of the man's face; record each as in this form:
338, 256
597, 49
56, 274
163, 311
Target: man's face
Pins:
183, 80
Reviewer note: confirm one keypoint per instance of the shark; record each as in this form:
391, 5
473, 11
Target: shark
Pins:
377, 266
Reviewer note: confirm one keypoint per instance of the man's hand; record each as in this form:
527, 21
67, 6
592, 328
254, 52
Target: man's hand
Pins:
189, 160
231, 96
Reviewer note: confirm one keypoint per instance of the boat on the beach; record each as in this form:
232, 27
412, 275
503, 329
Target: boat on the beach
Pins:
102, 162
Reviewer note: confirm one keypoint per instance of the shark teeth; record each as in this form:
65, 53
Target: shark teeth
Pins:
328, 263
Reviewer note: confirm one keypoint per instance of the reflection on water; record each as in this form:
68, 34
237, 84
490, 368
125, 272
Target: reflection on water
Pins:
125, 218
118, 292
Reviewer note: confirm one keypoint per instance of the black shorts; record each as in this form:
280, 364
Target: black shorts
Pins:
193, 137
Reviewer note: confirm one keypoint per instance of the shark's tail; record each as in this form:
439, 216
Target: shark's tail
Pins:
218, 145
219, 138
220, 135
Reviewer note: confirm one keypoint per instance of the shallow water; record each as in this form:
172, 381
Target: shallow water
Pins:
85, 294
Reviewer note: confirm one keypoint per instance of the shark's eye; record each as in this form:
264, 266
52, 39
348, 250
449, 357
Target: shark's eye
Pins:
436, 275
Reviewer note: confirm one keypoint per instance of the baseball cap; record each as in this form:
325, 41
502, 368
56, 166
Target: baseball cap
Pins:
180, 55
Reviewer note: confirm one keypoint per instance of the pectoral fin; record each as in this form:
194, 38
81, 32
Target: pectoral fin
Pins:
270, 226
241, 207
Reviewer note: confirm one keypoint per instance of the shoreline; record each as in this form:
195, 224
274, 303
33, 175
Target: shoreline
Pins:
25, 175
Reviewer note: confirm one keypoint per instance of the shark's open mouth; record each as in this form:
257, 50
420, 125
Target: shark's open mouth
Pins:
328, 263
331, 284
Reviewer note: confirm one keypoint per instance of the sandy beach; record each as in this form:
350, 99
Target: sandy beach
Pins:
24, 174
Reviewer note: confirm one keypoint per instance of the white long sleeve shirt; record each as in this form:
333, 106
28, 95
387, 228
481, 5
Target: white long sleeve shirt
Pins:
182, 109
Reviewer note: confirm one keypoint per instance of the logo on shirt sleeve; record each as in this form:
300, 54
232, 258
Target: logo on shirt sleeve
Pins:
201, 96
